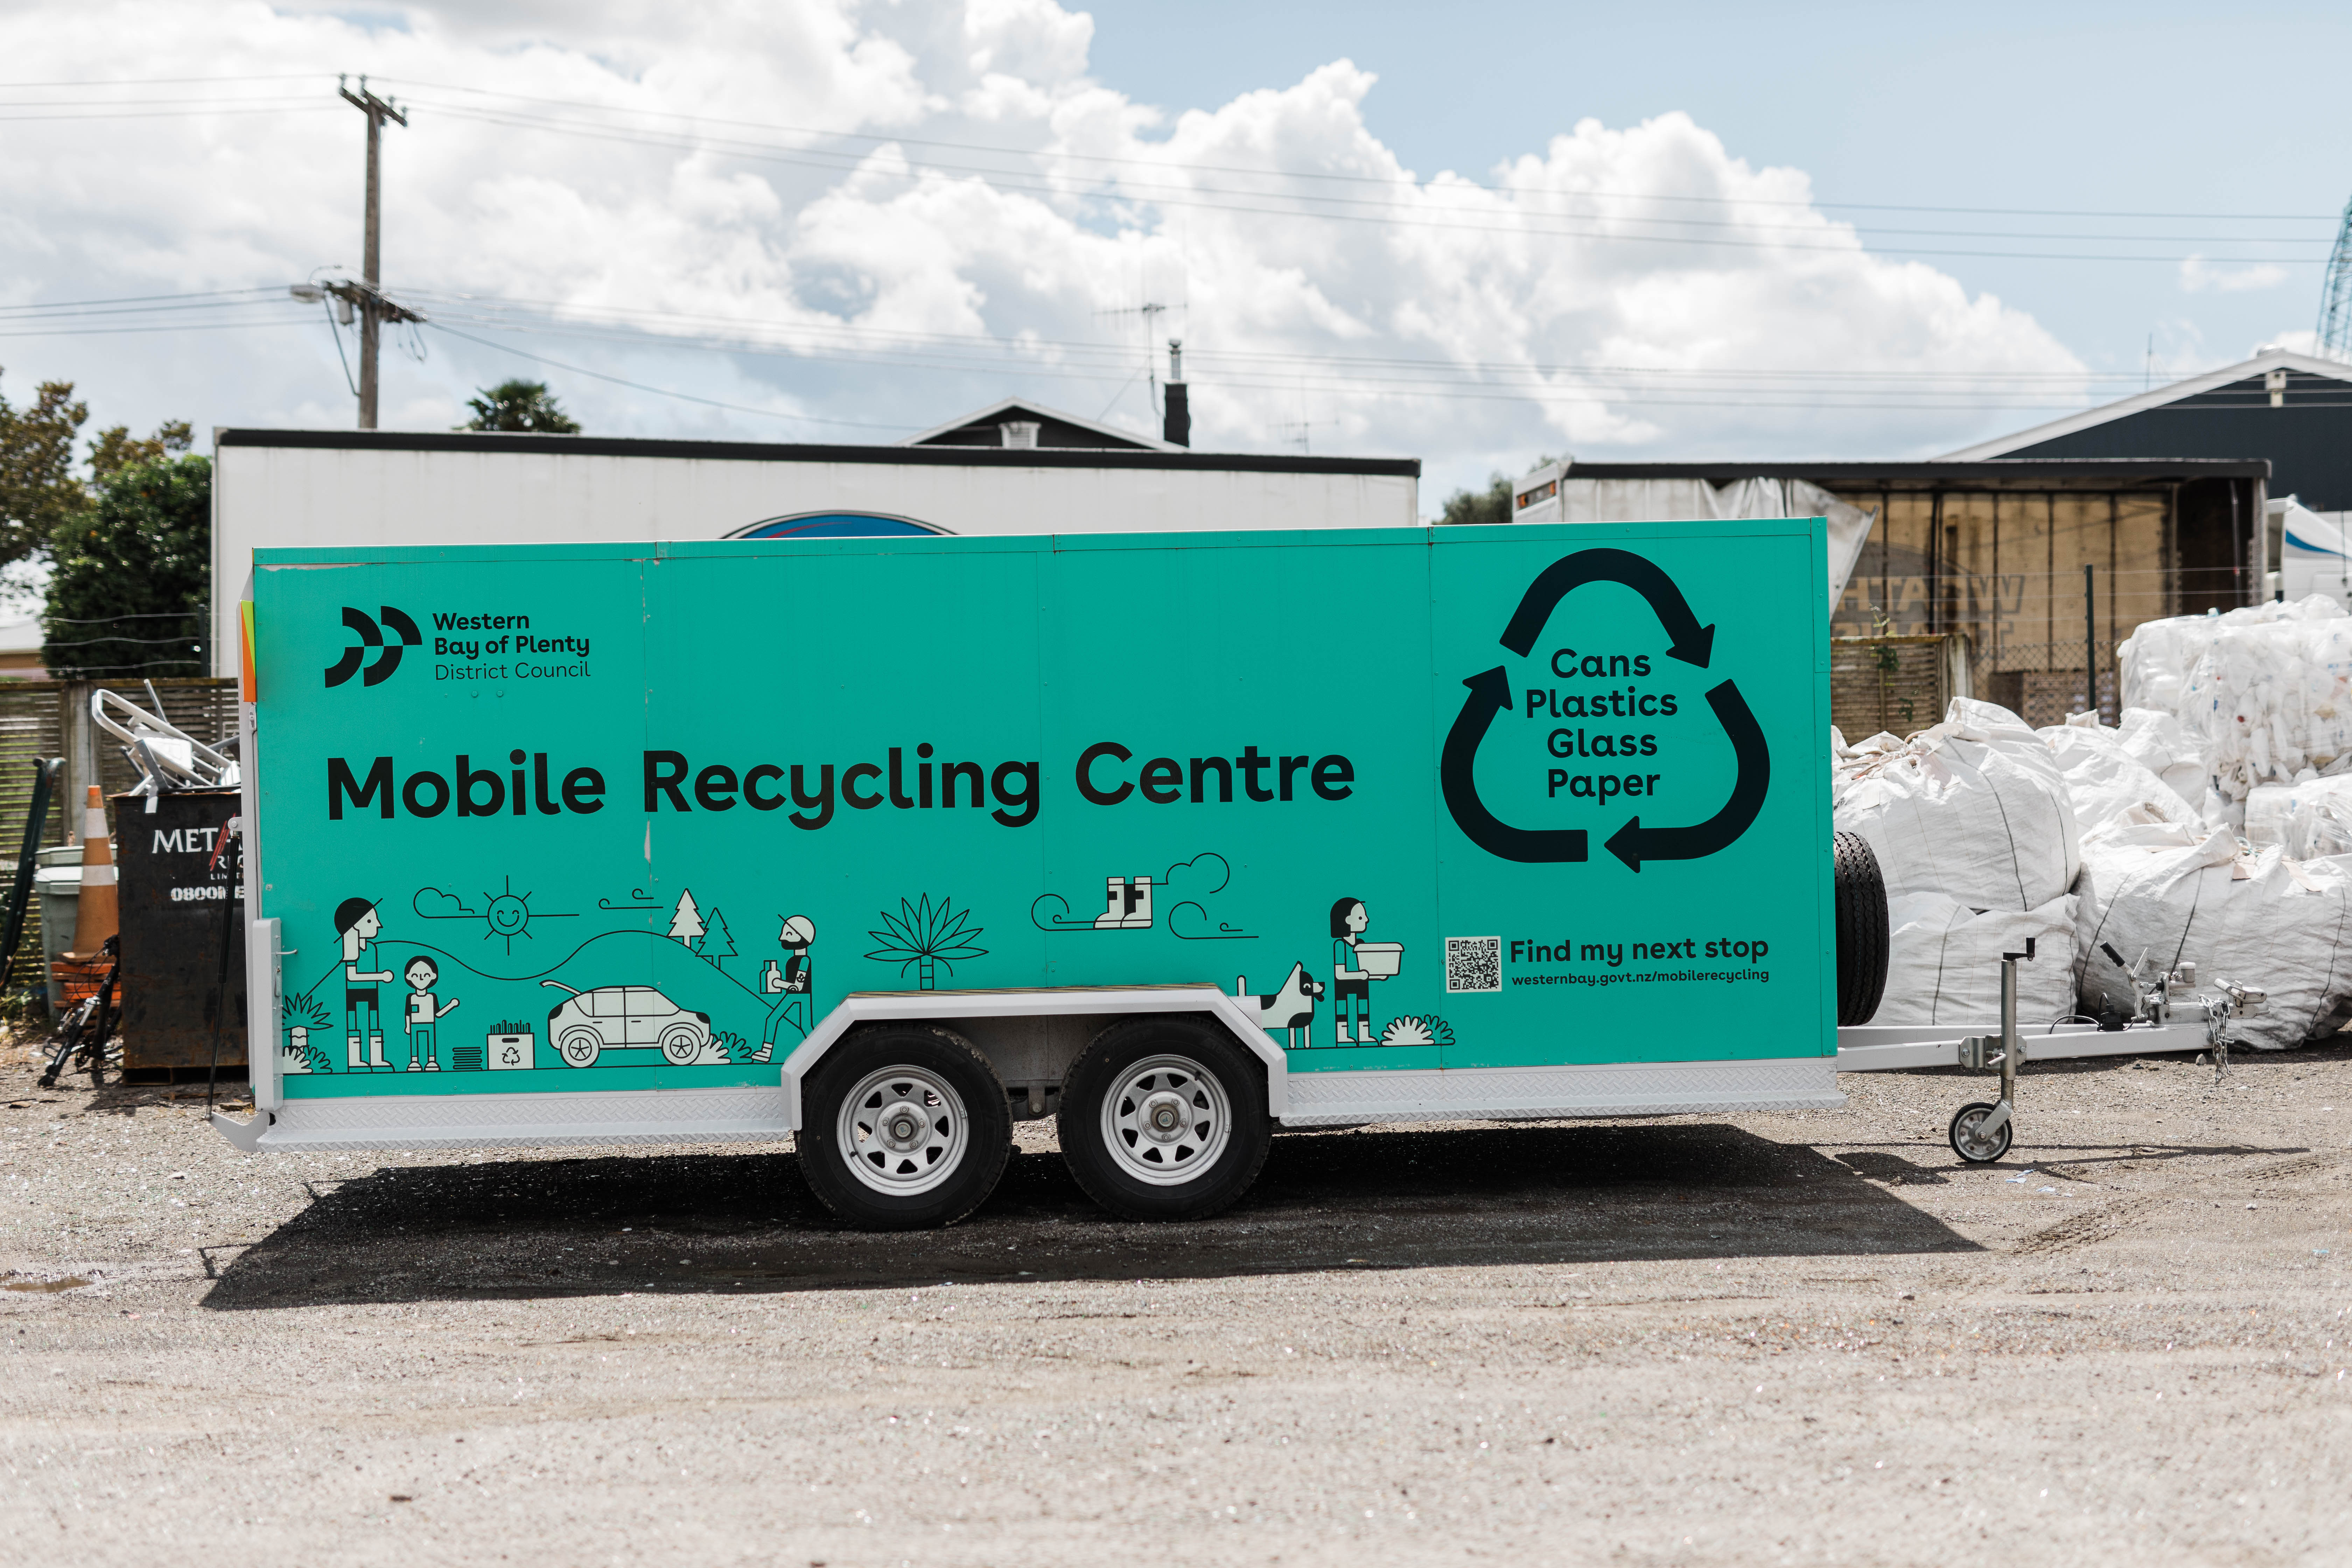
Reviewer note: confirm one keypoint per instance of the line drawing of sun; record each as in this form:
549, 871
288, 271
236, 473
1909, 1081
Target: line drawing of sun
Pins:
509, 915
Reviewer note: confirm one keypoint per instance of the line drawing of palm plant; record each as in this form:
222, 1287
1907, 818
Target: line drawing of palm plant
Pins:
926, 938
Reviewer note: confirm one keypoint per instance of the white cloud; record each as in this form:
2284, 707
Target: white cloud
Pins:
2197, 275
1317, 282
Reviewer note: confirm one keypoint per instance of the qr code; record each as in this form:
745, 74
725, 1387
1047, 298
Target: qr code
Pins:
1473, 963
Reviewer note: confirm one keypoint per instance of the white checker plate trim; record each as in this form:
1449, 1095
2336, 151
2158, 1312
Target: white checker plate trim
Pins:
755, 1115
1626, 1088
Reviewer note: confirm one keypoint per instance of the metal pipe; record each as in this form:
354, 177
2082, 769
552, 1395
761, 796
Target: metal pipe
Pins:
2090, 643
2010, 1042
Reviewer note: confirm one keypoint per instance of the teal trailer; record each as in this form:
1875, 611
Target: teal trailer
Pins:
880, 845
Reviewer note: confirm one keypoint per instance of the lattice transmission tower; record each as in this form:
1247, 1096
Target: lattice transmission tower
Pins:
2335, 294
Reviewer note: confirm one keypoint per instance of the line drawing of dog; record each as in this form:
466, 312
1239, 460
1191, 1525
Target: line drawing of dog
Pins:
1291, 1008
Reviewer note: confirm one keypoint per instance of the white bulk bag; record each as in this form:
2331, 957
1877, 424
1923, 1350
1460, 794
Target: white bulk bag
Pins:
2106, 785
1943, 962
1972, 808
2168, 747
2259, 919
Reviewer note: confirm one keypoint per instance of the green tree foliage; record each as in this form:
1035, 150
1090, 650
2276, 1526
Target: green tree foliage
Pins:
524, 406
115, 449
1492, 504
39, 490
131, 575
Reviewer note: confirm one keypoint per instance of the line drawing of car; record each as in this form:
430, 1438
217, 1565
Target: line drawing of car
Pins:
587, 1024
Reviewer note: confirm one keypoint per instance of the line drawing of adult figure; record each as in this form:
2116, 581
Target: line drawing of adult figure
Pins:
795, 982
1349, 918
358, 924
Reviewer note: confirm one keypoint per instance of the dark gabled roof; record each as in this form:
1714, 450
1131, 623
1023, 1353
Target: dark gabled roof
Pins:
1056, 430
2242, 385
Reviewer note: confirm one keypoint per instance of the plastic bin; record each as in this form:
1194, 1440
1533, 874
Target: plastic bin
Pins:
56, 880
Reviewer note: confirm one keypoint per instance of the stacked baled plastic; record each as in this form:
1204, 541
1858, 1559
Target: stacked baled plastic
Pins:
2267, 691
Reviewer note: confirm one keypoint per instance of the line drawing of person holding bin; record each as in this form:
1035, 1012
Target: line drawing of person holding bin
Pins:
1355, 964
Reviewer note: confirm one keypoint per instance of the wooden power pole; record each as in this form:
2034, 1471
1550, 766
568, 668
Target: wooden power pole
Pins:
372, 308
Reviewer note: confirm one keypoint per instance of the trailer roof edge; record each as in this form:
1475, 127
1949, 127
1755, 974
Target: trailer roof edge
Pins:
797, 452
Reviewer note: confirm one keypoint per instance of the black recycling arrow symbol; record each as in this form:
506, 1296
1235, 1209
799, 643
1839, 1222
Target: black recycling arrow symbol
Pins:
1693, 643
1490, 694
1635, 843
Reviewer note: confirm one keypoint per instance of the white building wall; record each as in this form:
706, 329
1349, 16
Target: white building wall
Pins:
342, 498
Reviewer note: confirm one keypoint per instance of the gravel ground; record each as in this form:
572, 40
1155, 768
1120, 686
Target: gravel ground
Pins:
1810, 1339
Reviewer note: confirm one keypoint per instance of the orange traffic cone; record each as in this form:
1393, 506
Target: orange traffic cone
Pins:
100, 914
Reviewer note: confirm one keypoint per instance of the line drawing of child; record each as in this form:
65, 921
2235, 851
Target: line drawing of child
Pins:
1349, 918
423, 1013
358, 924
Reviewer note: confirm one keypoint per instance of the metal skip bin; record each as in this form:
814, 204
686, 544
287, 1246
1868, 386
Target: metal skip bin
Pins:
178, 900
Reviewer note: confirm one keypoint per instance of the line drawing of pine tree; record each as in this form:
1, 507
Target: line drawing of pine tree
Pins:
927, 937
686, 924
717, 942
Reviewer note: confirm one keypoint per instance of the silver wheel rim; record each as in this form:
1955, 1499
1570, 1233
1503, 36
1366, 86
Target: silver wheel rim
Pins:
1973, 1146
902, 1131
1166, 1120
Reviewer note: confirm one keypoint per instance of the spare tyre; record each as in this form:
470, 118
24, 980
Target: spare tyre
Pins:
1861, 934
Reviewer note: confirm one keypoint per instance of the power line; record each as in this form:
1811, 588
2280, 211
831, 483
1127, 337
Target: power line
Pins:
168, 80
660, 391
1208, 168
885, 139
1014, 181
142, 299
163, 113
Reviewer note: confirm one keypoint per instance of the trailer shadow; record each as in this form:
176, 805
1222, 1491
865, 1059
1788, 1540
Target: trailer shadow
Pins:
745, 1223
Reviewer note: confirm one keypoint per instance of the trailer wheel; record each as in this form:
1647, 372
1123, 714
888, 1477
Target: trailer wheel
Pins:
1968, 1146
1861, 934
903, 1127
1164, 1119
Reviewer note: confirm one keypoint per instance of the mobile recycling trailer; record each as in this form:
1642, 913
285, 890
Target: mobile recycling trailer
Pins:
886, 843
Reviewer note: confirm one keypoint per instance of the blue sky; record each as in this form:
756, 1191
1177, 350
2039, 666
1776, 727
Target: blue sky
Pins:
2158, 107
597, 194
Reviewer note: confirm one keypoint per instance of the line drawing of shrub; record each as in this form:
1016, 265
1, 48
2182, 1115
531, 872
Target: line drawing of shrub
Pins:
1418, 1029
927, 937
304, 1010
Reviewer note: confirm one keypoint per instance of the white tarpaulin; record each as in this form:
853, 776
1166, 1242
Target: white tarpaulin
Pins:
1973, 808
1943, 962
1666, 500
2257, 918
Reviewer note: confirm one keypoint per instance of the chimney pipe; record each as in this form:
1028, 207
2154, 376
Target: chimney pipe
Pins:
1176, 426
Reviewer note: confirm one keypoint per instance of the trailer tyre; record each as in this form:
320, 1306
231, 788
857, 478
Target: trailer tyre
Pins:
903, 1127
1164, 1119
1861, 934
1974, 1146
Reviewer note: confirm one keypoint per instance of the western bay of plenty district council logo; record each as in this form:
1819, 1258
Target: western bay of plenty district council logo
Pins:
371, 630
